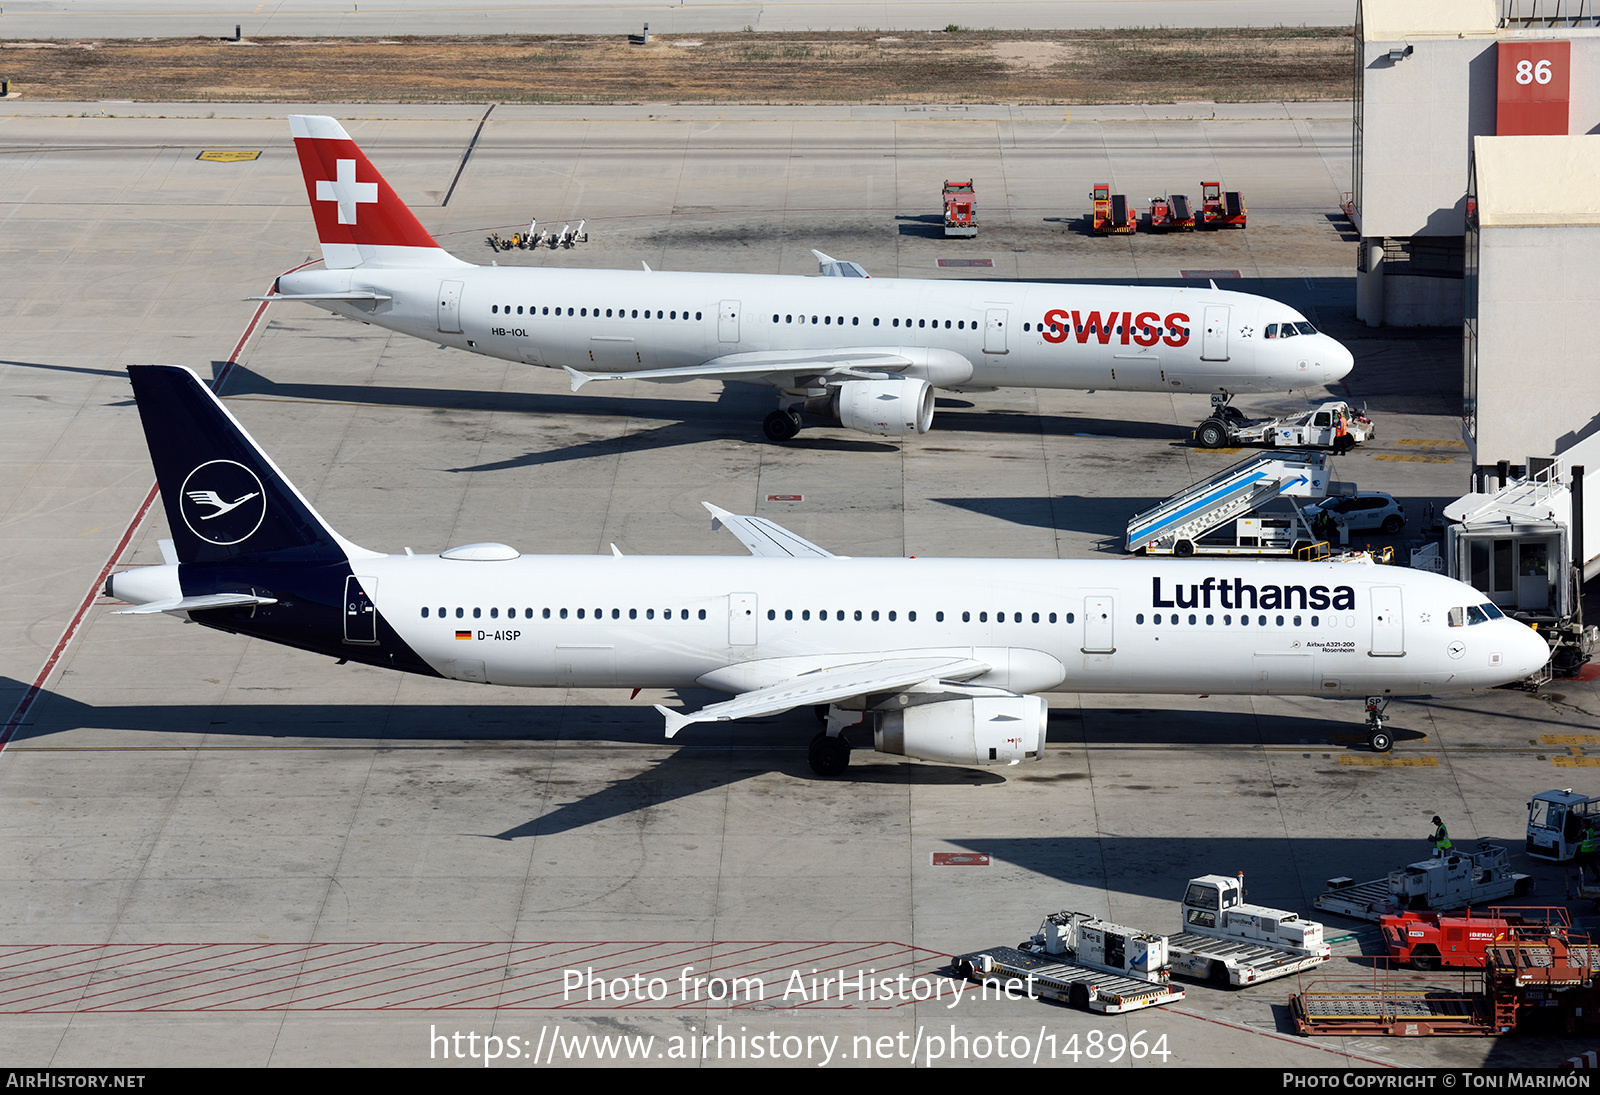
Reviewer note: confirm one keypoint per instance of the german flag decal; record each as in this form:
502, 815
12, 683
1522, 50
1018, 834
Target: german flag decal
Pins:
463, 634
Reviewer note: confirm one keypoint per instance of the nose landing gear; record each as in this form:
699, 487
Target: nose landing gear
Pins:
1379, 740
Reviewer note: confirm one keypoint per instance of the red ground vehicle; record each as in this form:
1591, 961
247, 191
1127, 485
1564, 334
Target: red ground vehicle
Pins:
960, 209
1219, 209
1182, 212
1428, 940
1112, 217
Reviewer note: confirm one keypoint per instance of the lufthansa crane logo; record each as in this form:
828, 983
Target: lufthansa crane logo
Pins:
222, 502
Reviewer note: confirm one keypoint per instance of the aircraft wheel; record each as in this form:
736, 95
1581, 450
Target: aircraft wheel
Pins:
829, 756
781, 426
1380, 741
1212, 434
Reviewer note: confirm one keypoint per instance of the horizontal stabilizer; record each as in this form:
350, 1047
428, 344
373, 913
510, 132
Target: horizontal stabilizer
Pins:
830, 686
765, 538
195, 604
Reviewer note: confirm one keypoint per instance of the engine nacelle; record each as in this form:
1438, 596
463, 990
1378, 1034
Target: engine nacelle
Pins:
890, 408
980, 730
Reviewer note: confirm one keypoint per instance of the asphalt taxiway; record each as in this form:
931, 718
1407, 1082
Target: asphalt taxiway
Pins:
218, 851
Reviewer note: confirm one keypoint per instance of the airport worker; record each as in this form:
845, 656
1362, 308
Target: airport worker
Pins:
1440, 837
1586, 849
1342, 441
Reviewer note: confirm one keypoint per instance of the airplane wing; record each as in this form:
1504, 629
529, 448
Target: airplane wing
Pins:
362, 294
795, 368
830, 267
827, 685
195, 604
765, 538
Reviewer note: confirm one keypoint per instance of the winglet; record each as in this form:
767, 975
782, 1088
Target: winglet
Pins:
578, 379
717, 514
675, 721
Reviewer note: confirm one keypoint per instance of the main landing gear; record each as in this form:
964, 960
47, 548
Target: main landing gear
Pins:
781, 425
830, 749
1379, 740
829, 756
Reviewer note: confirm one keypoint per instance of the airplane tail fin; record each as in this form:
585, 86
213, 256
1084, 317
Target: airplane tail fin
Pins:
360, 219
225, 499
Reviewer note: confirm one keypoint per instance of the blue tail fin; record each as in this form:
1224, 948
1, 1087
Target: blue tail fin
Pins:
226, 500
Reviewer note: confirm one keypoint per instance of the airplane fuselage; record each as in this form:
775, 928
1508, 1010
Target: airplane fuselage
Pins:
1335, 629
983, 334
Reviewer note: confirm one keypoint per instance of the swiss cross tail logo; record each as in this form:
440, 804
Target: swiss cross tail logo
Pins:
222, 502
344, 189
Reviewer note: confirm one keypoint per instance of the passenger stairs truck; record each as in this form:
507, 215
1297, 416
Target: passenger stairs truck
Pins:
1202, 519
1228, 942
1081, 960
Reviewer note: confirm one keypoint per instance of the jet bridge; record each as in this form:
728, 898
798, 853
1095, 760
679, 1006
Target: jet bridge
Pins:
1177, 525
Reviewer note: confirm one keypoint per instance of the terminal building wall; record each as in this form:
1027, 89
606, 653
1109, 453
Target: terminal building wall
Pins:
1537, 384
1415, 118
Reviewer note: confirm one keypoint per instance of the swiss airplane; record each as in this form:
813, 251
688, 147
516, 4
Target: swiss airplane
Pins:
934, 659
865, 352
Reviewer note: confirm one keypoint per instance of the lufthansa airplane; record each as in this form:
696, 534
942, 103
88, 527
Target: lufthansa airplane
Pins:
865, 352
937, 659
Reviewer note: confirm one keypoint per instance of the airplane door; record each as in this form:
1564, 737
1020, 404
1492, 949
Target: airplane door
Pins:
1388, 622
742, 612
994, 331
360, 615
728, 321
1099, 617
450, 307
1214, 342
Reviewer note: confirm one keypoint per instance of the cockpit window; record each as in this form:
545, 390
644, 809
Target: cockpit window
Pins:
1286, 331
1305, 328
1475, 615
1492, 610
1272, 330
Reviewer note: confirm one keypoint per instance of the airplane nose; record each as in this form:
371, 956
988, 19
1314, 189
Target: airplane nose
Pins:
1339, 360
1530, 652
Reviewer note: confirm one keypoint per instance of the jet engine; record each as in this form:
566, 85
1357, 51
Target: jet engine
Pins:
978, 730
890, 408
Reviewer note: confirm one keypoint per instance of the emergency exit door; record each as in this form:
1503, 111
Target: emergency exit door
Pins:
728, 321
